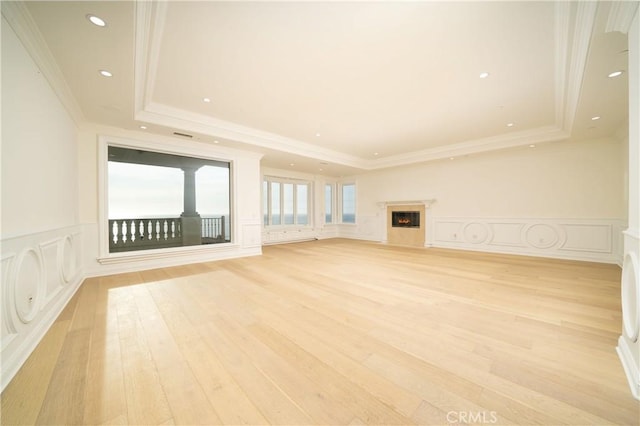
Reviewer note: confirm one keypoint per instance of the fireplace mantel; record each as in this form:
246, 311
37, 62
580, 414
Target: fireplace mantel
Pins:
426, 203
428, 221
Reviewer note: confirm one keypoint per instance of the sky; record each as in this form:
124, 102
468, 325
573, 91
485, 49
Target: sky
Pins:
139, 191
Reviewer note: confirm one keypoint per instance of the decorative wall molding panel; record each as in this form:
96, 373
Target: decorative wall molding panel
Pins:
593, 240
596, 240
629, 342
40, 274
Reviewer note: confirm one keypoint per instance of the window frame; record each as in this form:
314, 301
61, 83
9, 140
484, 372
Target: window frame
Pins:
281, 181
166, 147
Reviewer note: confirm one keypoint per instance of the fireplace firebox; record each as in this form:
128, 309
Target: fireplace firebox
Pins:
405, 219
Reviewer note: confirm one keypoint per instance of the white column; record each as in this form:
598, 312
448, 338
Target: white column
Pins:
629, 342
191, 221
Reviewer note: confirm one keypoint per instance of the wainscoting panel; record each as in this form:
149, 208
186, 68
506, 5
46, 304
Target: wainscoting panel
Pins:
594, 240
40, 274
289, 234
251, 237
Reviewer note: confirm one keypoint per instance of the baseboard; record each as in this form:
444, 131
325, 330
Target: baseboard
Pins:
630, 367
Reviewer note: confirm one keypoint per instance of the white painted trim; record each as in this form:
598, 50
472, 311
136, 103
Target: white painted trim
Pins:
242, 244
512, 238
632, 232
11, 363
150, 18
22, 23
25, 333
196, 123
562, 30
573, 41
630, 367
621, 16
583, 28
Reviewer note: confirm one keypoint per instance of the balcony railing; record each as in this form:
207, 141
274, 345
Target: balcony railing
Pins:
213, 230
154, 233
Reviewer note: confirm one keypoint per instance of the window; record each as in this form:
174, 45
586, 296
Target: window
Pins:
158, 200
286, 202
328, 203
275, 203
302, 205
349, 203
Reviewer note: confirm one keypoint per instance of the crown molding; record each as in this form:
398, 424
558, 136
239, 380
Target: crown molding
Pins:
22, 23
621, 16
574, 26
149, 27
493, 143
173, 117
572, 56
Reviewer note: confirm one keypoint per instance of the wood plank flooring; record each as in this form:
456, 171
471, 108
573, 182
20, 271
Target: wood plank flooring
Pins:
335, 332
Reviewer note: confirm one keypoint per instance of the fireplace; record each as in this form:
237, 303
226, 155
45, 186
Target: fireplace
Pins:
407, 222
400, 219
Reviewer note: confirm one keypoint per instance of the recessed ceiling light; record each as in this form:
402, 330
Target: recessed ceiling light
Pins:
207, 100
509, 124
105, 73
597, 117
320, 169
376, 154
143, 127
615, 74
532, 146
216, 141
96, 20
484, 74
291, 164
452, 158
317, 135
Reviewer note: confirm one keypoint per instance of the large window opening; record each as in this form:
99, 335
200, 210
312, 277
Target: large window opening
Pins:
286, 202
159, 200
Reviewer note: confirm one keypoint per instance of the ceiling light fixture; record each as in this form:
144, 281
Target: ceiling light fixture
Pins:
375, 154
216, 141
484, 74
597, 117
452, 158
532, 146
509, 124
105, 73
207, 100
317, 135
99, 22
291, 164
615, 74
143, 127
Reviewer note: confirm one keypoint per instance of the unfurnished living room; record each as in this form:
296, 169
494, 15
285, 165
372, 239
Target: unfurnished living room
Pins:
327, 213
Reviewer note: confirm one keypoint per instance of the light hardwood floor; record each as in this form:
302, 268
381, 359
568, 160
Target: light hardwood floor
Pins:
335, 332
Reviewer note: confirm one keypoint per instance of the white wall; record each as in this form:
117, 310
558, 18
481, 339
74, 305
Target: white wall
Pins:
560, 199
41, 241
38, 147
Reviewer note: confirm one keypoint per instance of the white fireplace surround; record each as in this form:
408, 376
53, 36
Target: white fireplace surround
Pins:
428, 219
